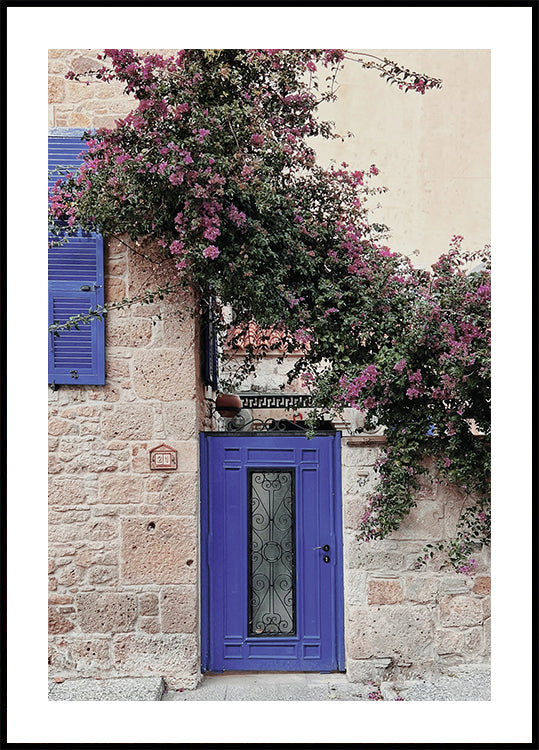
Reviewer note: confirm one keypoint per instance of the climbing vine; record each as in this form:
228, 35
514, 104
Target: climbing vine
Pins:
216, 167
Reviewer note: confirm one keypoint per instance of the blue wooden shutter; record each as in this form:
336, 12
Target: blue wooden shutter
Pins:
76, 285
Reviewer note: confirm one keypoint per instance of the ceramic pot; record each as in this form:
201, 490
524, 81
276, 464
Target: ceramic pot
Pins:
228, 405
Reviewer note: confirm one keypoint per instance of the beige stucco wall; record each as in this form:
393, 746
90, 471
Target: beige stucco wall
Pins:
433, 150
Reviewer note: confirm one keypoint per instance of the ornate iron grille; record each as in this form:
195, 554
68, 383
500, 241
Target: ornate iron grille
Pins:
272, 553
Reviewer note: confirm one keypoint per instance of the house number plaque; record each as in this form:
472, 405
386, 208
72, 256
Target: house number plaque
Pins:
163, 457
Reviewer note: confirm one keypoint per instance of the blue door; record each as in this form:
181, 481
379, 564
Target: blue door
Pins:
271, 553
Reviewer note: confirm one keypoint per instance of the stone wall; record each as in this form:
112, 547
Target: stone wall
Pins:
123, 539
399, 619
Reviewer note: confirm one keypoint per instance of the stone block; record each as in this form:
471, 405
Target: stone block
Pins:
180, 495
102, 574
355, 587
460, 610
158, 550
69, 576
140, 458
457, 584
180, 420
58, 623
59, 426
420, 589
88, 556
99, 529
164, 654
178, 332
120, 488
90, 656
164, 374
60, 599
365, 670
148, 604
68, 515
115, 266
114, 292
156, 482
149, 624
402, 633
481, 585
355, 481
363, 555
426, 521
128, 422
384, 591
116, 368
359, 455
465, 643
130, 333
106, 612
179, 609
66, 491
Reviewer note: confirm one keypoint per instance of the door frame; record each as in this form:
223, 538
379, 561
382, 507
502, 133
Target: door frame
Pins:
336, 484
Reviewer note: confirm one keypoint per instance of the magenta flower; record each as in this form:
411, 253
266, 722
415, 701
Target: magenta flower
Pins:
210, 252
257, 139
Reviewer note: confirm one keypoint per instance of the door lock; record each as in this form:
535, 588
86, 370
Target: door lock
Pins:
326, 558
325, 547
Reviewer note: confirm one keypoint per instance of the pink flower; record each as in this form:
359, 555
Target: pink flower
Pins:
211, 233
399, 367
210, 252
176, 246
257, 139
374, 169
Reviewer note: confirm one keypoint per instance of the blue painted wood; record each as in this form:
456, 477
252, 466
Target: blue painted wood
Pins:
318, 644
76, 356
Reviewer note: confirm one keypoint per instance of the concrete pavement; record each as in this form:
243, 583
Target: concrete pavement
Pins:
460, 685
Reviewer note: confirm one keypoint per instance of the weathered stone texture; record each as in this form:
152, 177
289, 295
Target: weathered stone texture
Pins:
148, 604
482, 585
91, 656
58, 623
400, 632
142, 655
180, 495
120, 488
384, 591
461, 642
129, 333
180, 419
165, 374
178, 609
158, 551
460, 610
106, 612
129, 422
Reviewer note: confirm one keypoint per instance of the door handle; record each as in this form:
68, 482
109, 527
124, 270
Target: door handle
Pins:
325, 547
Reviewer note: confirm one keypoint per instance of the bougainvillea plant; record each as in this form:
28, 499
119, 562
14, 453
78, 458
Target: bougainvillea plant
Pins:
216, 168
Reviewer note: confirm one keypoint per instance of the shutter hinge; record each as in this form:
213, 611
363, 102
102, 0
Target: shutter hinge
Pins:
53, 386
